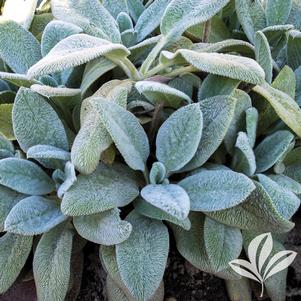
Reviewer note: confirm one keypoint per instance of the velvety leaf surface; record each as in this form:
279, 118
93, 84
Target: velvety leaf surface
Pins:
146, 23
6, 124
54, 32
126, 132
217, 112
12, 40
36, 122
34, 215
104, 189
25, 177
142, 258
161, 93
244, 158
286, 202
228, 65
76, 50
216, 189
105, 228
256, 213
14, 250
263, 55
222, 243
180, 16
271, 149
170, 198
286, 108
91, 15
51, 263
41, 151
146, 209
179, 136
277, 11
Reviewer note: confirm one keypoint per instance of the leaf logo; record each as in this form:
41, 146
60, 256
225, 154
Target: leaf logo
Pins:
254, 269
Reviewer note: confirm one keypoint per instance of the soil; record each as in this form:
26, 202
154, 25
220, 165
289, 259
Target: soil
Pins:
182, 281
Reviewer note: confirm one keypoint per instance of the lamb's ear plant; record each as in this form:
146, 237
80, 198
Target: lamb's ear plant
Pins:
121, 120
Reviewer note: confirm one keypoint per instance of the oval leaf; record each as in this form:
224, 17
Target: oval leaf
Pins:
105, 228
104, 189
36, 122
170, 198
51, 264
147, 247
25, 177
34, 215
179, 136
214, 190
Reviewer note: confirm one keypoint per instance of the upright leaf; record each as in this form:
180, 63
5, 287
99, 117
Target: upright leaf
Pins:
179, 16
54, 32
271, 149
36, 122
25, 14
251, 16
222, 243
277, 11
142, 258
116, 6
51, 264
13, 38
179, 136
25, 177
91, 15
34, 215
126, 132
216, 189
9, 199
14, 250
217, 115
263, 55
104, 189
150, 19
286, 108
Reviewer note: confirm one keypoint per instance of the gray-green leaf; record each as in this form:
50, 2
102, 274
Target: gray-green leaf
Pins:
36, 122
170, 198
218, 112
180, 15
19, 48
104, 189
179, 136
51, 264
126, 132
25, 177
14, 250
142, 258
105, 228
212, 190
271, 149
34, 215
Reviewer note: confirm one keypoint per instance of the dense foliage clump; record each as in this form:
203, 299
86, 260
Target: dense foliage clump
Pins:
130, 123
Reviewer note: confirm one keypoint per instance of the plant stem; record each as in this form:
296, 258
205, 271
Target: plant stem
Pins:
206, 32
180, 71
152, 56
262, 289
146, 175
128, 67
155, 121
